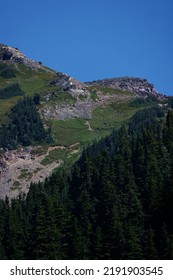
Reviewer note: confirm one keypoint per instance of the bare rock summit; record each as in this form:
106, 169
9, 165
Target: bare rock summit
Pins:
14, 55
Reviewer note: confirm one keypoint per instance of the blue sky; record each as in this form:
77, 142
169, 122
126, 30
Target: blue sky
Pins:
95, 39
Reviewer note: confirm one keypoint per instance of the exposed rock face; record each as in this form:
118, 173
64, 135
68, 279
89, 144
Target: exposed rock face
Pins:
81, 108
136, 85
18, 168
69, 84
14, 55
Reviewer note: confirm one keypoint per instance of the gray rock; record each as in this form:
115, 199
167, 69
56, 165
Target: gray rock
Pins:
136, 85
15, 56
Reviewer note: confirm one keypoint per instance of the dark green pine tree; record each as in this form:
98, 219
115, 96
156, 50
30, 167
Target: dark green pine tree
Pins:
2, 230
165, 244
168, 131
131, 211
107, 212
44, 236
13, 239
150, 250
168, 195
57, 187
81, 193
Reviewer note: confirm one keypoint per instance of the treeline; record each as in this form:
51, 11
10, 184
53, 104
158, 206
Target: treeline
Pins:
116, 203
25, 127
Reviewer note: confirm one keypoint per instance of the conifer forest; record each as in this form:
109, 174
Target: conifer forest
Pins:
116, 202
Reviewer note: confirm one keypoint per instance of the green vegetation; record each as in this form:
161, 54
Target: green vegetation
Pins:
11, 91
111, 116
7, 71
33, 81
60, 98
144, 102
94, 95
109, 90
67, 155
112, 196
115, 203
104, 120
82, 97
41, 150
54, 156
71, 131
25, 128
25, 174
16, 186
29, 82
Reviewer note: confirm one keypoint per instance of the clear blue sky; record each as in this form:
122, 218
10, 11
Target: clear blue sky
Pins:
95, 39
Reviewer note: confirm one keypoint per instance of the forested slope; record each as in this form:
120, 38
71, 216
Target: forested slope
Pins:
25, 126
115, 203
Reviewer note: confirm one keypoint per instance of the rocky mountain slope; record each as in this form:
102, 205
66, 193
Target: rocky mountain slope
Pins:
77, 113
136, 85
14, 55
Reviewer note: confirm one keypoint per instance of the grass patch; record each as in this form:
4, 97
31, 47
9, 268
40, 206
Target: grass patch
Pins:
16, 186
25, 174
70, 131
37, 170
94, 95
66, 155
104, 120
54, 156
82, 97
39, 151
30, 81
62, 98
109, 90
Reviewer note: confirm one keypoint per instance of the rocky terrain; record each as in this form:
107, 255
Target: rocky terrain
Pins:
94, 109
70, 84
18, 168
81, 108
14, 55
136, 85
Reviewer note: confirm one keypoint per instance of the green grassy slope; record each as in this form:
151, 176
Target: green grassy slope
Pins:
105, 117
30, 81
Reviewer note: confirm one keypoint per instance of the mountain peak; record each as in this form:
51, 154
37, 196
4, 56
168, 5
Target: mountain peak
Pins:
14, 55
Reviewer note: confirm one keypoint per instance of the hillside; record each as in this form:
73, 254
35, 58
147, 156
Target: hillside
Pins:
76, 113
114, 203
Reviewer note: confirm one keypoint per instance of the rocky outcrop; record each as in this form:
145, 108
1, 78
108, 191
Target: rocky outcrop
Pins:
14, 55
70, 84
81, 108
136, 85
18, 168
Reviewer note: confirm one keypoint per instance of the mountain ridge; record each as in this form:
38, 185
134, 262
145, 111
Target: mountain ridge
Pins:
77, 113
14, 55
133, 84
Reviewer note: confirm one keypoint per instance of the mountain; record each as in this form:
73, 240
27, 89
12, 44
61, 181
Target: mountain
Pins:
115, 203
86, 169
136, 85
14, 55
75, 113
